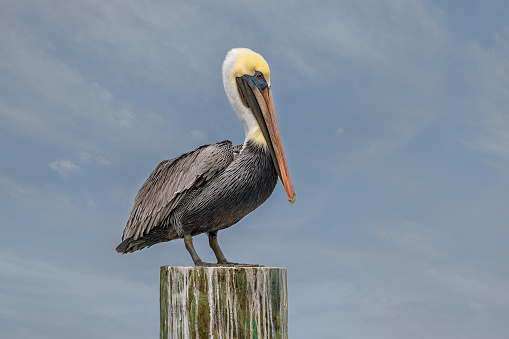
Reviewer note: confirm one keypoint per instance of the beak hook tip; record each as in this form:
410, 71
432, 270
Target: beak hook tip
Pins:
292, 199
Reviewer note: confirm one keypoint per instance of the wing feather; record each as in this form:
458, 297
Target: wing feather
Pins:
170, 182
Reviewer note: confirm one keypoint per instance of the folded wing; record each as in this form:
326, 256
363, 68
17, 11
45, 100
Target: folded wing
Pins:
169, 184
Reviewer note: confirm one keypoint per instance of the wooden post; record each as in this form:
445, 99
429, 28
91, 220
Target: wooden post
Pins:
223, 302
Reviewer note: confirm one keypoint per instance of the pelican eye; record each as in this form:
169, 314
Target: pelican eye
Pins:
259, 80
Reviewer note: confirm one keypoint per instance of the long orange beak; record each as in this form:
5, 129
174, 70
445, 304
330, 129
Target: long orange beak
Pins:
258, 97
273, 139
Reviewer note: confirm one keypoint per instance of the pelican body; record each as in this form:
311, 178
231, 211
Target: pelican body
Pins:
215, 186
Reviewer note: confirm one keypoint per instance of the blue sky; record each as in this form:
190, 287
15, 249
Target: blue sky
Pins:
395, 121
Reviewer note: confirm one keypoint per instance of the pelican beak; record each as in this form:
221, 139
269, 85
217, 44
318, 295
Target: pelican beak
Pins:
259, 99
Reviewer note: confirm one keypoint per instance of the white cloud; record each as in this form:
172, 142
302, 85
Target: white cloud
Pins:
64, 167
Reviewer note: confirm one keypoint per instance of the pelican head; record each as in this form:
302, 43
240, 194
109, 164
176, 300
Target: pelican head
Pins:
246, 79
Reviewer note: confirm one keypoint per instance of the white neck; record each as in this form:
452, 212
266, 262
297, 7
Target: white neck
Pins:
230, 86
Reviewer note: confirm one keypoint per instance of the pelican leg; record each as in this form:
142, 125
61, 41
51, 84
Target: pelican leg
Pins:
221, 259
188, 241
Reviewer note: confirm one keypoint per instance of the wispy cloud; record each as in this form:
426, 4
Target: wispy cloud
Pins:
86, 157
384, 224
35, 289
13, 187
61, 105
64, 167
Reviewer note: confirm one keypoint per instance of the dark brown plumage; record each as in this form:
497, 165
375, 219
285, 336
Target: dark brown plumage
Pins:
205, 190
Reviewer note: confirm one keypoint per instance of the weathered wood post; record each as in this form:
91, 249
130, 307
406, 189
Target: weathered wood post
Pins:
223, 302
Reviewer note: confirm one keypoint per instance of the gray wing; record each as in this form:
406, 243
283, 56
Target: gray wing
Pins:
169, 183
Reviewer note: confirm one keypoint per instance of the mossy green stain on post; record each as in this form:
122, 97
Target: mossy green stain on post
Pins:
224, 302
163, 297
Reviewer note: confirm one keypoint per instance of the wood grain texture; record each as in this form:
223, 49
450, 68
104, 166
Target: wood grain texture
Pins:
223, 302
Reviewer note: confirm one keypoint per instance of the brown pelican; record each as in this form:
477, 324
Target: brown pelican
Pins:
214, 186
